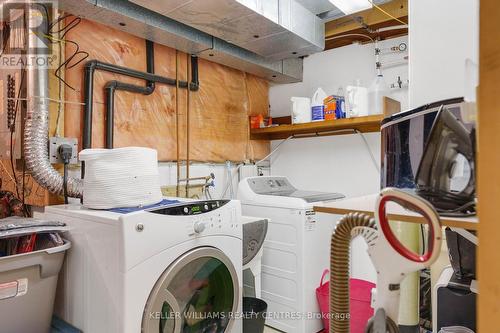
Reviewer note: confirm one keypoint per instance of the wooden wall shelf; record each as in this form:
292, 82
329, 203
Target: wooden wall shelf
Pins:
366, 205
328, 127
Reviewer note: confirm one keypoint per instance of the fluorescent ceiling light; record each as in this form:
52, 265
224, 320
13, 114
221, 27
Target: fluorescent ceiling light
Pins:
351, 6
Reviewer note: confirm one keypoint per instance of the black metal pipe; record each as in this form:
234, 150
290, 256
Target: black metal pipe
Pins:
112, 86
93, 65
110, 114
150, 65
195, 83
88, 81
103, 66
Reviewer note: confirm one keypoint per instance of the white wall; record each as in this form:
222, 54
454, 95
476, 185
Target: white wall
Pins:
333, 164
336, 163
442, 35
339, 67
168, 176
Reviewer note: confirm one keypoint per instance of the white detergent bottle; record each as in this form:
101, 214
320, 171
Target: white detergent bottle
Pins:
317, 107
301, 110
356, 100
376, 93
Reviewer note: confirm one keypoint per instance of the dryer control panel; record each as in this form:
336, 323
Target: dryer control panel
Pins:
271, 185
203, 217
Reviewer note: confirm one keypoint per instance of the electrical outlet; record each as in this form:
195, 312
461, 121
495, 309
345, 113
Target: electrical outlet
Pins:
54, 144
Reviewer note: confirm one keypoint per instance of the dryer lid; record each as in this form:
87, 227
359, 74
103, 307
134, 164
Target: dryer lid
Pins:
281, 186
313, 196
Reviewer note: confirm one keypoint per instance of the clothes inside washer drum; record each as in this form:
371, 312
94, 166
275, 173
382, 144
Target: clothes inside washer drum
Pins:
254, 234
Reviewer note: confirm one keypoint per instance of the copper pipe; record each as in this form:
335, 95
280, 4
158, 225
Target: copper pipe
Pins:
211, 176
177, 120
188, 132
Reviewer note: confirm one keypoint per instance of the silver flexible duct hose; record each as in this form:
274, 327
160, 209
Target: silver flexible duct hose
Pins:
339, 267
36, 133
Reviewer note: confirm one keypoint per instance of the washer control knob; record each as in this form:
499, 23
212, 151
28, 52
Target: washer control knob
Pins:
199, 227
186, 210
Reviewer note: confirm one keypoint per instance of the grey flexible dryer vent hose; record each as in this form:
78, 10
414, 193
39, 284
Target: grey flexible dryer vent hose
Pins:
339, 268
36, 137
37, 130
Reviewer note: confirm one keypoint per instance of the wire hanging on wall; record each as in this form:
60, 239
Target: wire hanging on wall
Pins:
77, 56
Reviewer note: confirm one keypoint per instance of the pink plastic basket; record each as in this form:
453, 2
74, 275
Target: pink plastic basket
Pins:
322, 294
359, 307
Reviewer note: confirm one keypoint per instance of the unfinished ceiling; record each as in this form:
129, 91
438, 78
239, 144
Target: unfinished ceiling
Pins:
147, 24
317, 6
389, 20
267, 38
275, 29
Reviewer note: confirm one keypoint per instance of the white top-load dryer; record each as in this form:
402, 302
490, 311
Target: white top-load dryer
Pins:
296, 249
175, 268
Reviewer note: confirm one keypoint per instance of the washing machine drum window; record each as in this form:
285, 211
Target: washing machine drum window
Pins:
198, 293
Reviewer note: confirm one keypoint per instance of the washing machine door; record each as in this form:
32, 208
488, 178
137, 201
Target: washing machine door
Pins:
197, 293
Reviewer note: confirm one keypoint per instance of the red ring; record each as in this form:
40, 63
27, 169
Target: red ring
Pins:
394, 242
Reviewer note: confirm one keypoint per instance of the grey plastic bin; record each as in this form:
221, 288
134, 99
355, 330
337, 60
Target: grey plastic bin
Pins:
27, 289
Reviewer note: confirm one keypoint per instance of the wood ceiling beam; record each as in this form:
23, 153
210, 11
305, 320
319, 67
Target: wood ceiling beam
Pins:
362, 27
346, 24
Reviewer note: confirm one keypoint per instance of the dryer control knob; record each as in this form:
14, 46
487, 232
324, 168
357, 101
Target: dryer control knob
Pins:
199, 227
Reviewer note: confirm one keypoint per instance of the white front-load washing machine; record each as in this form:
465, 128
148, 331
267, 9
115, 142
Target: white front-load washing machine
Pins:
296, 249
175, 268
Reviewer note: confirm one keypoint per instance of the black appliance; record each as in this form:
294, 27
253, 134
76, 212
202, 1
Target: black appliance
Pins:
456, 296
449, 155
418, 136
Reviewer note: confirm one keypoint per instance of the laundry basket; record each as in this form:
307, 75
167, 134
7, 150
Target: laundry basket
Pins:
27, 289
28, 280
359, 302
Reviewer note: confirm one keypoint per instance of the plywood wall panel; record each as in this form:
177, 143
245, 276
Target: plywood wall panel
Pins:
218, 111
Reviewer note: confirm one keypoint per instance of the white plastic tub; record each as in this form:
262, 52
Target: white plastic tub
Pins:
27, 289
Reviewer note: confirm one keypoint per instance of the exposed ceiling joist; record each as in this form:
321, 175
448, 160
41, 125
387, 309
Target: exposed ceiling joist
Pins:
362, 26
